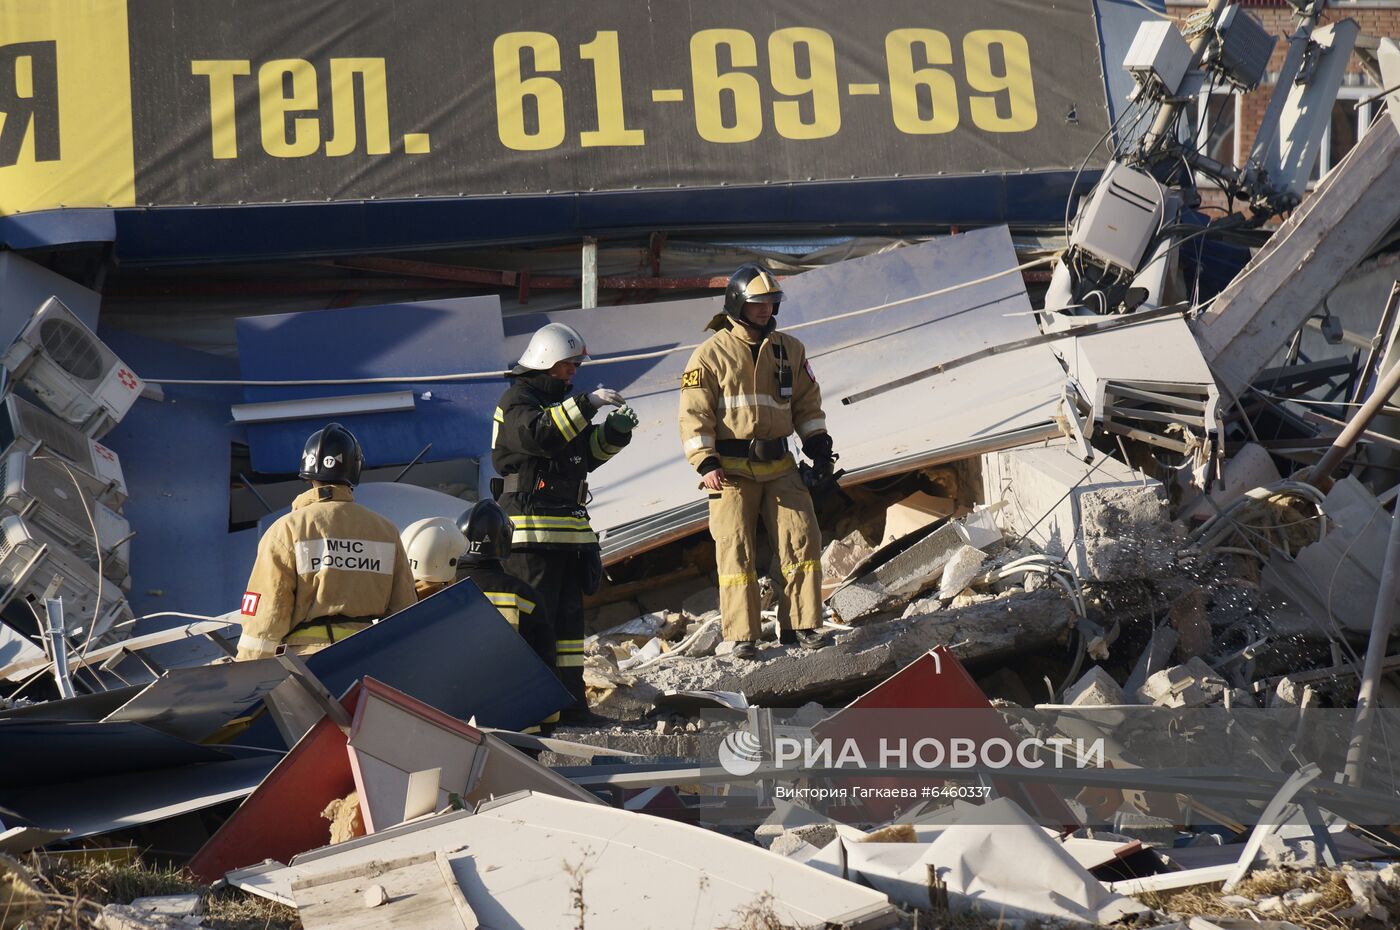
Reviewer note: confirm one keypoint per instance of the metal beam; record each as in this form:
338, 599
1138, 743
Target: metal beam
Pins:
1259, 311
302, 409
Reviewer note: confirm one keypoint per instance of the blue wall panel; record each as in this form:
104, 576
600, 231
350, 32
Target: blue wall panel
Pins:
426, 338
176, 455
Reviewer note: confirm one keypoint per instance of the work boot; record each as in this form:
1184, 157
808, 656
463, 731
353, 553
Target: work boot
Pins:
745, 649
812, 639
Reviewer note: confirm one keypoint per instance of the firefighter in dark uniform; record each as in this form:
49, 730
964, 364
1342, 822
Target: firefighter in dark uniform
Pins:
544, 444
488, 530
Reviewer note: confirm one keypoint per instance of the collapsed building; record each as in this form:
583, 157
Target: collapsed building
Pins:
1118, 478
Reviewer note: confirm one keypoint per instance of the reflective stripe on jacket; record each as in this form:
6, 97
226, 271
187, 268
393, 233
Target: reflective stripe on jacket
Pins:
514, 598
727, 394
541, 432
330, 556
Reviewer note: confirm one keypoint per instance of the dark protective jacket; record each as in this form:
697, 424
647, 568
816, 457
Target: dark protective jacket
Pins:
515, 599
543, 442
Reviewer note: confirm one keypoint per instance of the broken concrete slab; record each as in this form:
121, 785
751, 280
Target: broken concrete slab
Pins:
1191, 684
701, 602
982, 632
915, 570
786, 841
1154, 658
1251, 466
1095, 688
1108, 520
962, 568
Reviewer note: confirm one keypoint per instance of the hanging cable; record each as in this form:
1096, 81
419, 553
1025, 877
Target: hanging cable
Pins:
611, 360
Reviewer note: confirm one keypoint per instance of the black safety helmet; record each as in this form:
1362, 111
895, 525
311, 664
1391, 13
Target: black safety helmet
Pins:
488, 530
751, 282
332, 454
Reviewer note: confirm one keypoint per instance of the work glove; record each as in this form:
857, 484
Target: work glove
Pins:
605, 397
818, 448
821, 476
623, 419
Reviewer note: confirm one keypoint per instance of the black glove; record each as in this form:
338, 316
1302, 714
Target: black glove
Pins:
818, 448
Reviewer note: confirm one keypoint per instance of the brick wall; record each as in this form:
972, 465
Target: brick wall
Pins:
1375, 17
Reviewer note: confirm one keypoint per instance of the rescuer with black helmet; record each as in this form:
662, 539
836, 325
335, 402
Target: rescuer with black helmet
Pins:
332, 455
745, 390
487, 532
329, 568
751, 284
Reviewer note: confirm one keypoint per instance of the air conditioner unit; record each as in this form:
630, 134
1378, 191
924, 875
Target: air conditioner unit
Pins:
41, 489
30, 559
25, 427
71, 371
1124, 212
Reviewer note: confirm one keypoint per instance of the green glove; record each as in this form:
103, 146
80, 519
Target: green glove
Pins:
623, 419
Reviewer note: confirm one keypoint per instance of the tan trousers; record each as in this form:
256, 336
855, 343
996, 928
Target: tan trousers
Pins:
786, 509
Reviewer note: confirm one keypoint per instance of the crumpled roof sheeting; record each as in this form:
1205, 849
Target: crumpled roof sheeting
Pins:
649, 491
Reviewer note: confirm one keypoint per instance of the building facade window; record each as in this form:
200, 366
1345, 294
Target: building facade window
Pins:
1350, 120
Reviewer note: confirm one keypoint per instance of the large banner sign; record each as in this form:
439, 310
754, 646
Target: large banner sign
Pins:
181, 102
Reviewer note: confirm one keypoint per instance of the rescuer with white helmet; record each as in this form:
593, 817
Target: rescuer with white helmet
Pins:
434, 547
544, 444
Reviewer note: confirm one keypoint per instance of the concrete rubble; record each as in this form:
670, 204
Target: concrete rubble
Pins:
1167, 598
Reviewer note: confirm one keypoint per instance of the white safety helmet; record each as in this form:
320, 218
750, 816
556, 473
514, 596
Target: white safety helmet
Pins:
551, 343
434, 546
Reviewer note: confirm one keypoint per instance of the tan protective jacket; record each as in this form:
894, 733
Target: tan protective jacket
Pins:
330, 556
725, 394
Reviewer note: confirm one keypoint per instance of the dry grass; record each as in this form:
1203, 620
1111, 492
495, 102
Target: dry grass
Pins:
78, 889
1205, 900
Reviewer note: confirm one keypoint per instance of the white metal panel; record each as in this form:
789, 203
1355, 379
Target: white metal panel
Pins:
994, 396
642, 871
1164, 351
303, 409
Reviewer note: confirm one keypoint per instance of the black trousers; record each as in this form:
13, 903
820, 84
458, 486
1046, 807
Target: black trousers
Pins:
556, 575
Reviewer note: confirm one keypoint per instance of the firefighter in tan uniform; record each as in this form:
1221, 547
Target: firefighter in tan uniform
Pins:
329, 568
745, 390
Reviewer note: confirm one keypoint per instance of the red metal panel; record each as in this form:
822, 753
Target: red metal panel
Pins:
282, 817
934, 681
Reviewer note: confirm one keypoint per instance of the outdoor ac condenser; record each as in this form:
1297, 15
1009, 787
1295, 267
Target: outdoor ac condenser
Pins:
44, 491
71, 371
1123, 214
30, 559
26, 427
